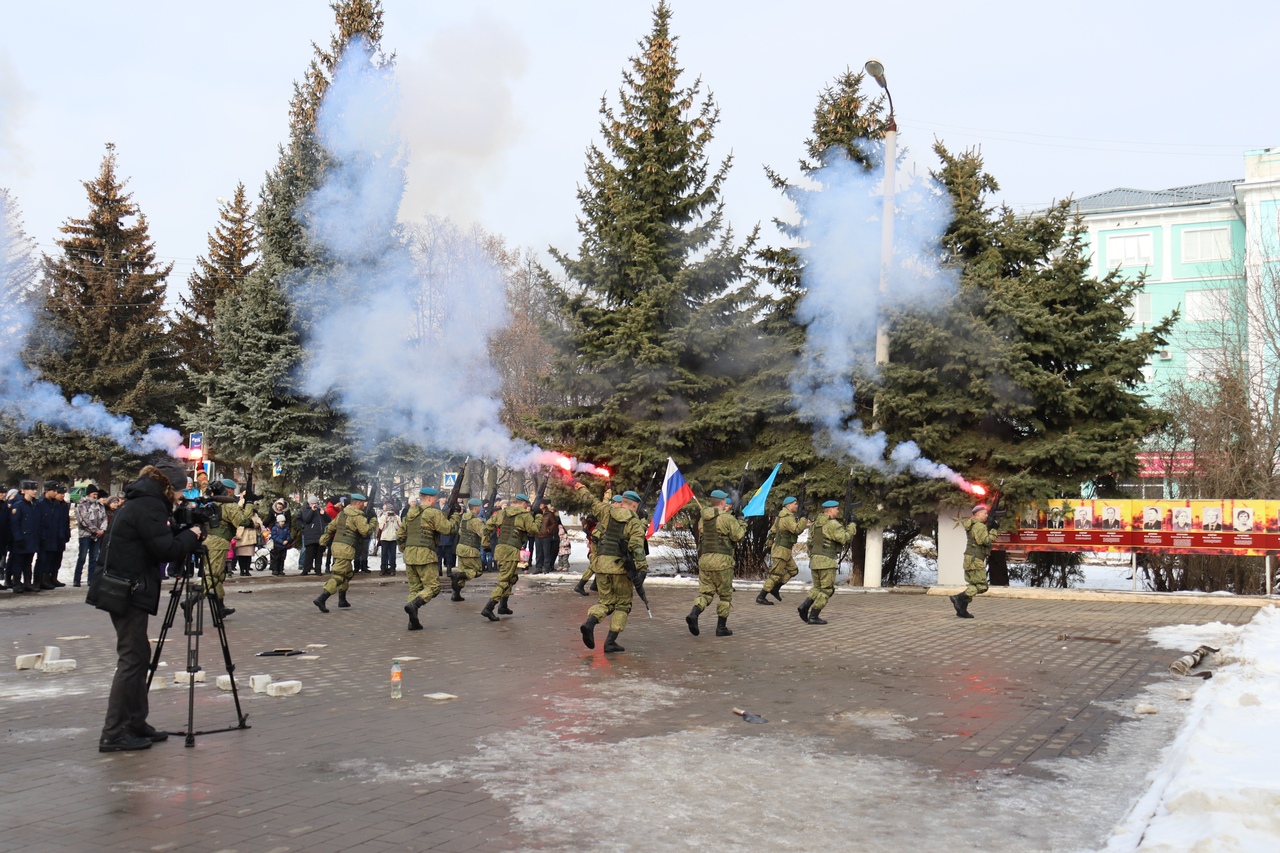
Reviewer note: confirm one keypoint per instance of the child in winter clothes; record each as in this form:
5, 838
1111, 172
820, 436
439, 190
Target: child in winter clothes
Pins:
280, 542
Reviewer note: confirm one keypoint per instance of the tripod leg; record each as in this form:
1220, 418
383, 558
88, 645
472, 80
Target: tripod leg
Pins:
231, 671
175, 596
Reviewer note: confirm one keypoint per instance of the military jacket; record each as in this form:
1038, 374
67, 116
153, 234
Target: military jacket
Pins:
420, 534
516, 525
470, 534
978, 539
219, 538
824, 533
345, 531
617, 534
787, 528
719, 530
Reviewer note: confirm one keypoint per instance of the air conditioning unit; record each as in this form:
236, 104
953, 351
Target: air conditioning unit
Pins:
1164, 355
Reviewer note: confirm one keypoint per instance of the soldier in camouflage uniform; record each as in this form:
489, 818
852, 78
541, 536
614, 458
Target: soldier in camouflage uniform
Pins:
344, 533
418, 538
218, 540
621, 536
977, 547
593, 543
787, 528
827, 537
718, 530
515, 525
470, 541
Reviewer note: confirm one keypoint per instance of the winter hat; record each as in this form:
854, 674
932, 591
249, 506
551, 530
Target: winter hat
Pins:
279, 519
13, 493
172, 469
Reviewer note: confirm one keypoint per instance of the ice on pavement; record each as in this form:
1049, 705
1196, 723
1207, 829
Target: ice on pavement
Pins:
574, 780
1218, 788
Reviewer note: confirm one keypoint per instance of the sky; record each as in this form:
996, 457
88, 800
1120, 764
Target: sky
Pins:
502, 98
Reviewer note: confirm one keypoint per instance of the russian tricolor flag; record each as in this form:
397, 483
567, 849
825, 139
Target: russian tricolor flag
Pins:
675, 494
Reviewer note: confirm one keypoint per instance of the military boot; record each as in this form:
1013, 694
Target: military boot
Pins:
611, 643
488, 610
960, 602
763, 597
588, 629
342, 599
692, 620
722, 627
503, 608
223, 610
776, 592
803, 609
581, 588
594, 586
412, 609
319, 602
814, 618
456, 583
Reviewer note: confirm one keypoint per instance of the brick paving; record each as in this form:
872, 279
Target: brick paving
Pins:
343, 767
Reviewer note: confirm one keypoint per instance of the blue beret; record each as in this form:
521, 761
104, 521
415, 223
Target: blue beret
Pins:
830, 504
427, 490
475, 502
789, 499
523, 497
616, 499
230, 484
356, 496
719, 495
631, 496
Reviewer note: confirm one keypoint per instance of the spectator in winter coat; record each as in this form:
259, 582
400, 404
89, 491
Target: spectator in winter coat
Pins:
314, 520
138, 540
280, 543
91, 520
55, 532
24, 529
388, 528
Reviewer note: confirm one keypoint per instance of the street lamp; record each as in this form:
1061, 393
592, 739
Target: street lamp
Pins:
874, 554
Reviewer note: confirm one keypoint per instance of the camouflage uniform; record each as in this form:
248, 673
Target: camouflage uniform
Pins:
418, 536
718, 531
218, 543
344, 532
515, 525
827, 536
787, 528
619, 535
470, 541
978, 539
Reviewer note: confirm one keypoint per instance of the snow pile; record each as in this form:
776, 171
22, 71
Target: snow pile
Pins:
1217, 788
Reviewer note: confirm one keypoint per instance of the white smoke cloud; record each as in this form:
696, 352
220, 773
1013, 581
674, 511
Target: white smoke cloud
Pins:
24, 398
398, 326
841, 229
459, 114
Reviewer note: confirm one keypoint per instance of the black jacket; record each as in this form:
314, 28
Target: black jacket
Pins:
140, 538
55, 523
6, 535
24, 526
314, 521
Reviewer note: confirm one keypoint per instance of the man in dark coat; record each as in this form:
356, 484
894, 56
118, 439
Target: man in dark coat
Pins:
138, 540
55, 532
5, 538
24, 532
314, 521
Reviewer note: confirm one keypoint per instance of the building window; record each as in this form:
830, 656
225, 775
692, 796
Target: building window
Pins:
1207, 305
1129, 250
1140, 309
1204, 363
1208, 244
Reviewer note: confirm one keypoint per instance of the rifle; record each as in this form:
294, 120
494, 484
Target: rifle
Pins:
848, 499
804, 482
637, 580
537, 502
995, 512
738, 499
451, 506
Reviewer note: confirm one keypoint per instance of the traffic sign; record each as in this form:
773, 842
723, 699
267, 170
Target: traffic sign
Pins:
449, 480
196, 442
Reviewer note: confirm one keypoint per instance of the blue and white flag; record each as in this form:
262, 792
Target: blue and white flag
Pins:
756, 505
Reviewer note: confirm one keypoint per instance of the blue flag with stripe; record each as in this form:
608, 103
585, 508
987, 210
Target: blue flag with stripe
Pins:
756, 504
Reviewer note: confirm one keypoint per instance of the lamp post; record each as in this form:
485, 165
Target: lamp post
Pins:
874, 555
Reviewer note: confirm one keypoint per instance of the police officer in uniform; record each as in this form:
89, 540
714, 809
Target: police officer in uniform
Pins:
218, 540
515, 524
827, 537
977, 547
787, 528
621, 535
470, 543
419, 538
718, 531
345, 532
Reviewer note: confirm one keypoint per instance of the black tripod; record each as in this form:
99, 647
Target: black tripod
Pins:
188, 595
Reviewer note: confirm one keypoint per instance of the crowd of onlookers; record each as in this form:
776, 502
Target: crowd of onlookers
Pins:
36, 526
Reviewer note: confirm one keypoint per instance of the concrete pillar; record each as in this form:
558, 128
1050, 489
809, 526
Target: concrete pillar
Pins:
951, 544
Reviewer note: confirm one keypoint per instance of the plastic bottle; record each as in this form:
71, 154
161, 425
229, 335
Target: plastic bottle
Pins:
395, 679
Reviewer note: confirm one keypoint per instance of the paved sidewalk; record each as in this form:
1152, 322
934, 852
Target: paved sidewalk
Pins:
552, 746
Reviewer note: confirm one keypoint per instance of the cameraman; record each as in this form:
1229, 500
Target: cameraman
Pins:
139, 539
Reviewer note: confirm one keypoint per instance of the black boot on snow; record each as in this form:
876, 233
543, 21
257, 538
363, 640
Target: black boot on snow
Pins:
803, 609
611, 643
589, 632
692, 620
722, 627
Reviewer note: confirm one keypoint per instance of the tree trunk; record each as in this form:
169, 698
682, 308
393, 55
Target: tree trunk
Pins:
858, 558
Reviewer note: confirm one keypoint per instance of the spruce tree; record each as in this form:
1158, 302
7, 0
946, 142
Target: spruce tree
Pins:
232, 258
655, 301
104, 329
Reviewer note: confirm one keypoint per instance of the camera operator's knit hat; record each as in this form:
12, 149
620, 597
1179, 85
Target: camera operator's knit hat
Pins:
173, 469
